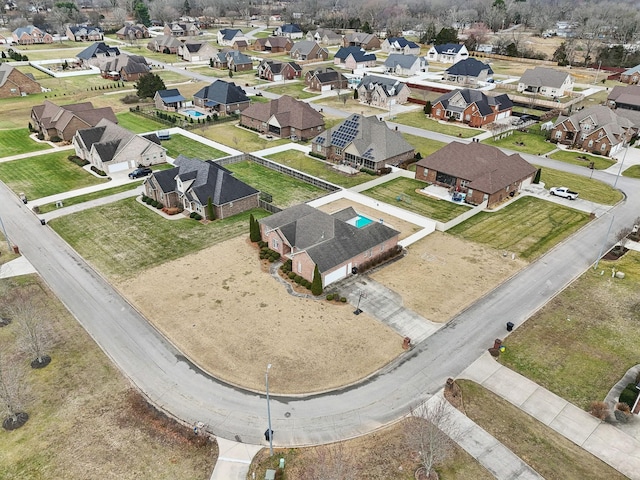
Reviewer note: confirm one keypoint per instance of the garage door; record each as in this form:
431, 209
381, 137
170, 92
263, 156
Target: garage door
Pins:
503, 115
336, 275
325, 88
118, 167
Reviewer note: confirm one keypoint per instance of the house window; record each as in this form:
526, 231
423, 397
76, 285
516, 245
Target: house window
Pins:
438, 112
464, 183
558, 134
467, 117
275, 243
603, 147
338, 151
299, 267
318, 148
590, 143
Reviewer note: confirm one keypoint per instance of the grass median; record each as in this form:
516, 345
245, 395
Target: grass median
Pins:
589, 189
17, 141
68, 202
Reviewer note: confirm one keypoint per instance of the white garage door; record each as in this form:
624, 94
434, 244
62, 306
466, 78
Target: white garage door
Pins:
118, 167
503, 115
339, 274
325, 88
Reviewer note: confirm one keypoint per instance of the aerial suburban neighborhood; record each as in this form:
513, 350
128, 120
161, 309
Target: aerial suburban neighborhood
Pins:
314, 240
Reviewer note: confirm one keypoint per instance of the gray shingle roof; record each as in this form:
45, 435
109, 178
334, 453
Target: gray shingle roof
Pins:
482, 101
358, 54
469, 67
544, 77
395, 59
96, 49
222, 92
449, 48
390, 86
602, 117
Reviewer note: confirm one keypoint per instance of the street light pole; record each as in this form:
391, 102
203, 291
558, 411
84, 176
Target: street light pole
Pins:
621, 164
266, 378
604, 242
6, 237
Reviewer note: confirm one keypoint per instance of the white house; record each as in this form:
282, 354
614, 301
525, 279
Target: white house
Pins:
447, 53
547, 82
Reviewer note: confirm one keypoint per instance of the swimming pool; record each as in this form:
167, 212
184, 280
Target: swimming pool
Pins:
360, 221
193, 113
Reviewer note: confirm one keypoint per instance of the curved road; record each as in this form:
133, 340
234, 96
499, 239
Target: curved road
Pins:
175, 385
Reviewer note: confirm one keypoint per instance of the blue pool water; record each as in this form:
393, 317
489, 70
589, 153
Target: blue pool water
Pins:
361, 221
193, 113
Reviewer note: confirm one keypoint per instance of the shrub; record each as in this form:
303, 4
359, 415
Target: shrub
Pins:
297, 279
192, 215
262, 243
599, 410
276, 255
154, 203
144, 197
629, 395
343, 300
159, 205
291, 275
129, 99
623, 407
622, 417
197, 217
330, 297
98, 171
55, 139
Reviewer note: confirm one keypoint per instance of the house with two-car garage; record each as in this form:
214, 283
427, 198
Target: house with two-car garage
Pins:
338, 243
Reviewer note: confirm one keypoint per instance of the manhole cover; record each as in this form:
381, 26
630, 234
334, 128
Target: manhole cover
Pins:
287, 414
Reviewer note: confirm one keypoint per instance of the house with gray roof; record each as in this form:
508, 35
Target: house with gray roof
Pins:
400, 45
112, 148
191, 51
84, 33
14, 83
275, 71
233, 60
63, 121
337, 243
544, 81
170, 100
308, 50
469, 71
382, 91
596, 129
273, 44
353, 58
124, 67
363, 142
324, 36
473, 107
133, 32
448, 53
164, 44
400, 64
365, 41
631, 76
30, 35
284, 117
222, 98
96, 53
324, 79
625, 100
227, 36
182, 29
481, 172
192, 182
289, 30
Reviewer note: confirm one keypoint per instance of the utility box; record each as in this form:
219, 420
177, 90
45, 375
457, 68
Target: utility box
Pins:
270, 475
281, 463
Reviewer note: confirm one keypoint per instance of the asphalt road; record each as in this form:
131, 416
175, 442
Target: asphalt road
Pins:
180, 388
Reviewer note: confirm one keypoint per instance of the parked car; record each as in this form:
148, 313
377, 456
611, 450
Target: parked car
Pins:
140, 172
563, 192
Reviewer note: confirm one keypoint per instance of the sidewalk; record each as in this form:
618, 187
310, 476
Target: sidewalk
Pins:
234, 460
603, 440
19, 266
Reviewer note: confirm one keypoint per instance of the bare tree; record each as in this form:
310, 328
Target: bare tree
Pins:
425, 434
36, 337
622, 236
13, 394
332, 462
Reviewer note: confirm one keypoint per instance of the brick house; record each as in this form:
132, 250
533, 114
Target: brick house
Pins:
84, 33
273, 44
363, 142
64, 121
547, 82
132, 32
275, 71
284, 117
30, 35
596, 129
366, 41
181, 29
353, 58
233, 60
125, 67
482, 172
112, 148
14, 83
164, 44
625, 100
191, 183
400, 64
472, 107
324, 36
382, 92
631, 76
98, 53
310, 237
308, 50
324, 79
222, 98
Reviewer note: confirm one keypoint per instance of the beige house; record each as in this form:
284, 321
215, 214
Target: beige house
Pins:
64, 121
547, 82
382, 92
196, 51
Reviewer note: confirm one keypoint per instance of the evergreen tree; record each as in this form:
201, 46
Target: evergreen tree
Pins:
186, 8
355, 93
427, 108
254, 229
447, 35
148, 85
536, 179
141, 12
316, 284
211, 213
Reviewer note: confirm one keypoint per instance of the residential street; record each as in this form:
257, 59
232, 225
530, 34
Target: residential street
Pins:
173, 383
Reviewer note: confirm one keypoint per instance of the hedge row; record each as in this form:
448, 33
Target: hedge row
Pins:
150, 201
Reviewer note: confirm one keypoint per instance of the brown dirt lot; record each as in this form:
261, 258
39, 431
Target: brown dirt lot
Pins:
442, 274
232, 318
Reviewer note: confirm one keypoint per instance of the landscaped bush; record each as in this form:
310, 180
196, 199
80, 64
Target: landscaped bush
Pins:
330, 297
98, 171
131, 98
159, 205
629, 395
262, 243
192, 215
55, 139
77, 160
197, 217
317, 155
368, 171
599, 410
144, 198
297, 279
343, 299
291, 275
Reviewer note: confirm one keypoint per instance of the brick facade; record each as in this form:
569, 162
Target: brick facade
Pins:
16, 83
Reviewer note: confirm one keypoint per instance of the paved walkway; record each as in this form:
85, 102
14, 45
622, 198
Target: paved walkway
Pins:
608, 443
39, 152
501, 462
234, 460
18, 266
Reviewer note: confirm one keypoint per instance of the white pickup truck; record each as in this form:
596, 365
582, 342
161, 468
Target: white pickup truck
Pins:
563, 192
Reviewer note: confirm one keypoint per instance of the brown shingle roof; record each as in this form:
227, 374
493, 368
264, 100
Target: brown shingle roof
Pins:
487, 168
288, 111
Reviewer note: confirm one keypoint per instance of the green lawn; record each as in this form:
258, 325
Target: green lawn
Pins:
542, 448
294, 90
419, 120
15, 142
179, 144
440, 210
425, 146
123, 238
49, 207
589, 189
46, 174
138, 123
599, 163
239, 138
285, 190
632, 172
584, 340
317, 168
523, 142
528, 227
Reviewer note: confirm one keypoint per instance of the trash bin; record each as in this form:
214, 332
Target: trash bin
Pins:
42, 221
509, 326
16, 249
